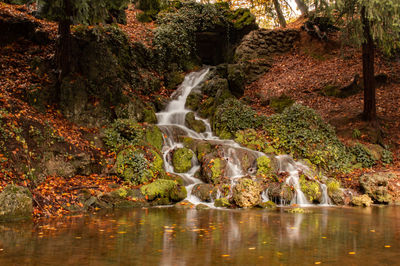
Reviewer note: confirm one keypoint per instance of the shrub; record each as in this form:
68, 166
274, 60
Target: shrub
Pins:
123, 132
233, 116
363, 155
387, 157
300, 131
133, 166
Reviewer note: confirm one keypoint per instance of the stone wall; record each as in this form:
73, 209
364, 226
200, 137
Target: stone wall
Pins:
256, 49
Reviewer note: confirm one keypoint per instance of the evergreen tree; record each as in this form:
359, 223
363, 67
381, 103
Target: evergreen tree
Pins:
369, 24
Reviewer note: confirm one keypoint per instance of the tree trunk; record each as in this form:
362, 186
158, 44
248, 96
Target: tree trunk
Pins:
279, 13
64, 49
302, 7
63, 53
368, 56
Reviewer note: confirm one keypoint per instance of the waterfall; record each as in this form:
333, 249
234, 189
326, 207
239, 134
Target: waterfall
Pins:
172, 123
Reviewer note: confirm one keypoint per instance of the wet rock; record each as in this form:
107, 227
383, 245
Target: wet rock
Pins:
222, 202
15, 203
193, 101
280, 193
202, 207
212, 169
182, 160
375, 185
197, 125
363, 200
184, 205
205, 192
270, 205
164, 192
174, 177
247, 193
335, 193
311, 189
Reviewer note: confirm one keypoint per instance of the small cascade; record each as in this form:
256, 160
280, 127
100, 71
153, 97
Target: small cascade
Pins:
172, 124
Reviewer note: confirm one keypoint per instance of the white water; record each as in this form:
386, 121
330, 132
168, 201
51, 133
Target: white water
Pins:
172, 122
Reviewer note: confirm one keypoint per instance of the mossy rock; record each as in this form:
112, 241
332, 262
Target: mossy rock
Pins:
280, 193
207, 108
15, 203
149, 116
184, 205
154, 137
376, 185
222, 202
193, 101
264, 166
202, 207
297, 210
270, 205
205, 192
170, 176
182, 160
247, 193
212, 169
236, 79
278, 104
122, 133
197, 125
311, 189
361, 201
164, 191
335, 193
173, 79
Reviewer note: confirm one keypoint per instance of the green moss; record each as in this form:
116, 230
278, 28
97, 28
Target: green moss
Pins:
311, 189
154, 137
333, 186
268, 205
216, 170
156, 165
174, 79
280, 103
297, 210
263, 165
197, 125
207, 108
203, 149
193, 101
149, 116
166, 190
222, 202
182, 160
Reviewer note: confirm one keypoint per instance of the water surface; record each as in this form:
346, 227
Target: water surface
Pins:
169, 236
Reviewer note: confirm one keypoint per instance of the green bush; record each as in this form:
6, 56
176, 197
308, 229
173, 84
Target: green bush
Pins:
123, 132
233, 116
387, 157
300, 131
133, 166
363, 155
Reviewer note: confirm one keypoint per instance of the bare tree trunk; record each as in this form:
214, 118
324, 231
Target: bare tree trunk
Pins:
279, 13
368, 56
302, 7
63, 50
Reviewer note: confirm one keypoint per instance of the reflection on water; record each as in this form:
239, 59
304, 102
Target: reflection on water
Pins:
167, 236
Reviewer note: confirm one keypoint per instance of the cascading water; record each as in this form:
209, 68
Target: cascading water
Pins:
172, 123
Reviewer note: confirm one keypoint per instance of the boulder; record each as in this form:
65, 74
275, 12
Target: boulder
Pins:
197, 125
363, 200
280, 193
212, 169
205, 192
182, 160
335, 193
311, 189
164, 192
247, 193
375, 185
222, 202
15, 203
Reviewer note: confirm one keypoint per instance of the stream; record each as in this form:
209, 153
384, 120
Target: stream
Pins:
170, 236
172, 123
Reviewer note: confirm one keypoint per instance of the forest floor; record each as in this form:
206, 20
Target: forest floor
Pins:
314, 64
299, 74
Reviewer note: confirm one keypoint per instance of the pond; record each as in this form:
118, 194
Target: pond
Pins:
171, 236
